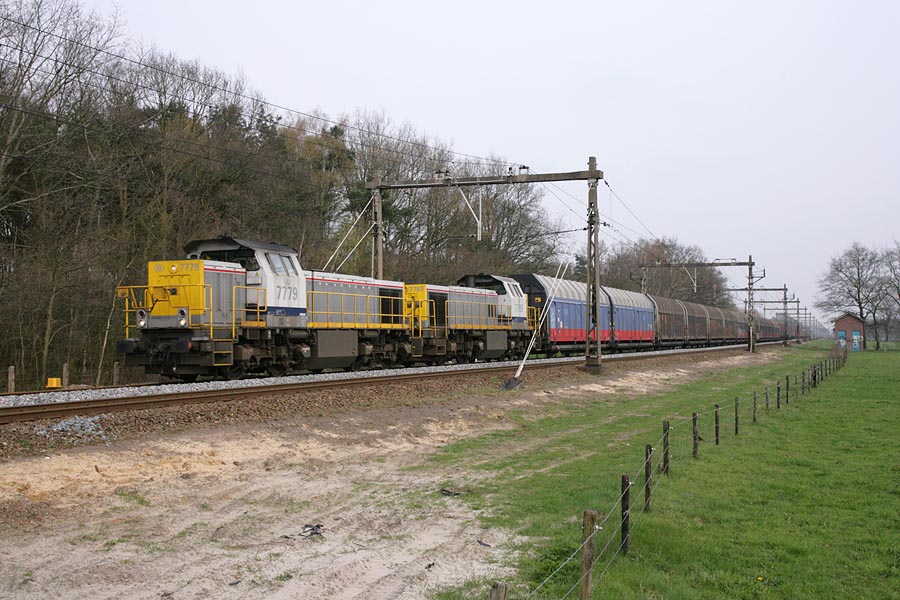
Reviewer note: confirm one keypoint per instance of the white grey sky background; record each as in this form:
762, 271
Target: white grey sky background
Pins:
769, 128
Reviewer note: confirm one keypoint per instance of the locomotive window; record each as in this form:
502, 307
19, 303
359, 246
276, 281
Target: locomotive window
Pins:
277, 264
289, 264
496, 286
242, 256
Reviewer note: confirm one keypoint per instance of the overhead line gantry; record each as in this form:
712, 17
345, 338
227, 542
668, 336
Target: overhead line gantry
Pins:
751, 279
593, 175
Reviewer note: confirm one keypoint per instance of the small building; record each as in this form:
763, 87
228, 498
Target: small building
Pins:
850, 329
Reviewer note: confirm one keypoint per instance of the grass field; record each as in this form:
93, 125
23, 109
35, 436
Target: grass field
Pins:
803, 504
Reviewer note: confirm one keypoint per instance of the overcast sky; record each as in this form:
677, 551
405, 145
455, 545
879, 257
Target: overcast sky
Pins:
764, 128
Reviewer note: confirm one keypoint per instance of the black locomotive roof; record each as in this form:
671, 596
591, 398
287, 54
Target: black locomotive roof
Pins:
228, 243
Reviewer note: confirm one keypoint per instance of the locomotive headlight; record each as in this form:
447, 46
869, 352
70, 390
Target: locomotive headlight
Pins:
182, 317
141, 317
182, 322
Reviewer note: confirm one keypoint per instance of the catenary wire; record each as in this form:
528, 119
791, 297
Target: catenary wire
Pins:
245, 96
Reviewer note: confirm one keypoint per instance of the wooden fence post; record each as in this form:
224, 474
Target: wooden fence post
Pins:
696, 437
498, 591
802, 383
65, 375
588, 528
778, 396
11, 379
787, 389
767, 401
626, 513
648, 476
737, 402
717, 424
665, 463
754, 407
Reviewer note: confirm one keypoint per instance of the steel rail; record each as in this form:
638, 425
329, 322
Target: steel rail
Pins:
54, 410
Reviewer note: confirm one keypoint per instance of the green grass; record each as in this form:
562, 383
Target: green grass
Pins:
134, 497
803, 504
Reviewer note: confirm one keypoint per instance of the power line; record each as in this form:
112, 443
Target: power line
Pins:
308, 134
653, 235
136, 127
252, 99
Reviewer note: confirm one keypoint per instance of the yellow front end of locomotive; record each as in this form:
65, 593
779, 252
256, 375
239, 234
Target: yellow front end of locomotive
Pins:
176, 285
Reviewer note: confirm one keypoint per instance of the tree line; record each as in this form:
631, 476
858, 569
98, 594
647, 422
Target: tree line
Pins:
866, 283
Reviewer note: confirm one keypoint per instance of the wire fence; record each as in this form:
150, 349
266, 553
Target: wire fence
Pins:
601, 546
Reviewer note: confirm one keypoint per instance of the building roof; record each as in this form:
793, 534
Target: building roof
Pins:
847, 314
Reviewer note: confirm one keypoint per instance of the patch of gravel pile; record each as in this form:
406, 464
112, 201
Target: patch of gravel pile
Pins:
75, 430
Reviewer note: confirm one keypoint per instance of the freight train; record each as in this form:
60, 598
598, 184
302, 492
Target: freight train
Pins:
234, 308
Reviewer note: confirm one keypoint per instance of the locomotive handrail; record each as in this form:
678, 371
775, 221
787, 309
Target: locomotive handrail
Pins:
130, 293
260, 308
354, 316
482, 320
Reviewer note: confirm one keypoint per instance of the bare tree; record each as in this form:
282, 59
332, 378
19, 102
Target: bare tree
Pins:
855, 282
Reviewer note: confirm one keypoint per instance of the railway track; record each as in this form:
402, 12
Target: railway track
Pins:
31, 412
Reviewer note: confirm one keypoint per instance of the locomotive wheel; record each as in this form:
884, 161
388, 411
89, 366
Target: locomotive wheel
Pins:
276, 370
235, 372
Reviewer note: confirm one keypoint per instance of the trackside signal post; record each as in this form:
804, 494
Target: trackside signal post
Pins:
593, 175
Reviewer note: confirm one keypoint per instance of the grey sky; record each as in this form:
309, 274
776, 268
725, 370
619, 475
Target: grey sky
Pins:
745, 128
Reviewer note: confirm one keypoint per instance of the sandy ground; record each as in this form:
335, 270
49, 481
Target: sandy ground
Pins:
220, 511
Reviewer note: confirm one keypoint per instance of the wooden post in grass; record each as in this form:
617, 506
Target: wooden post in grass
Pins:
665, 462
802, 383
626, 513
754, 407
737, 402
767, 401
498, 591
778, 396
696, 437
588, 527
648, 476
787, 389
717, 424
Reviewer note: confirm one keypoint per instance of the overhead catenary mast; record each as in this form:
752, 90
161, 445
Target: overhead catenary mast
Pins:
593, 175
751, 279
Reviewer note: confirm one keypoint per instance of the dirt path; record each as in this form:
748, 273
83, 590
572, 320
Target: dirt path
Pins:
220, 511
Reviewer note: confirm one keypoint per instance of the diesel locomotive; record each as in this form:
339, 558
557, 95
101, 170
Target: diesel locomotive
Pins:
234, 308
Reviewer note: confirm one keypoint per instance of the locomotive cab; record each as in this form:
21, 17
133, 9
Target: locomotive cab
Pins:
275, 286
512, 304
